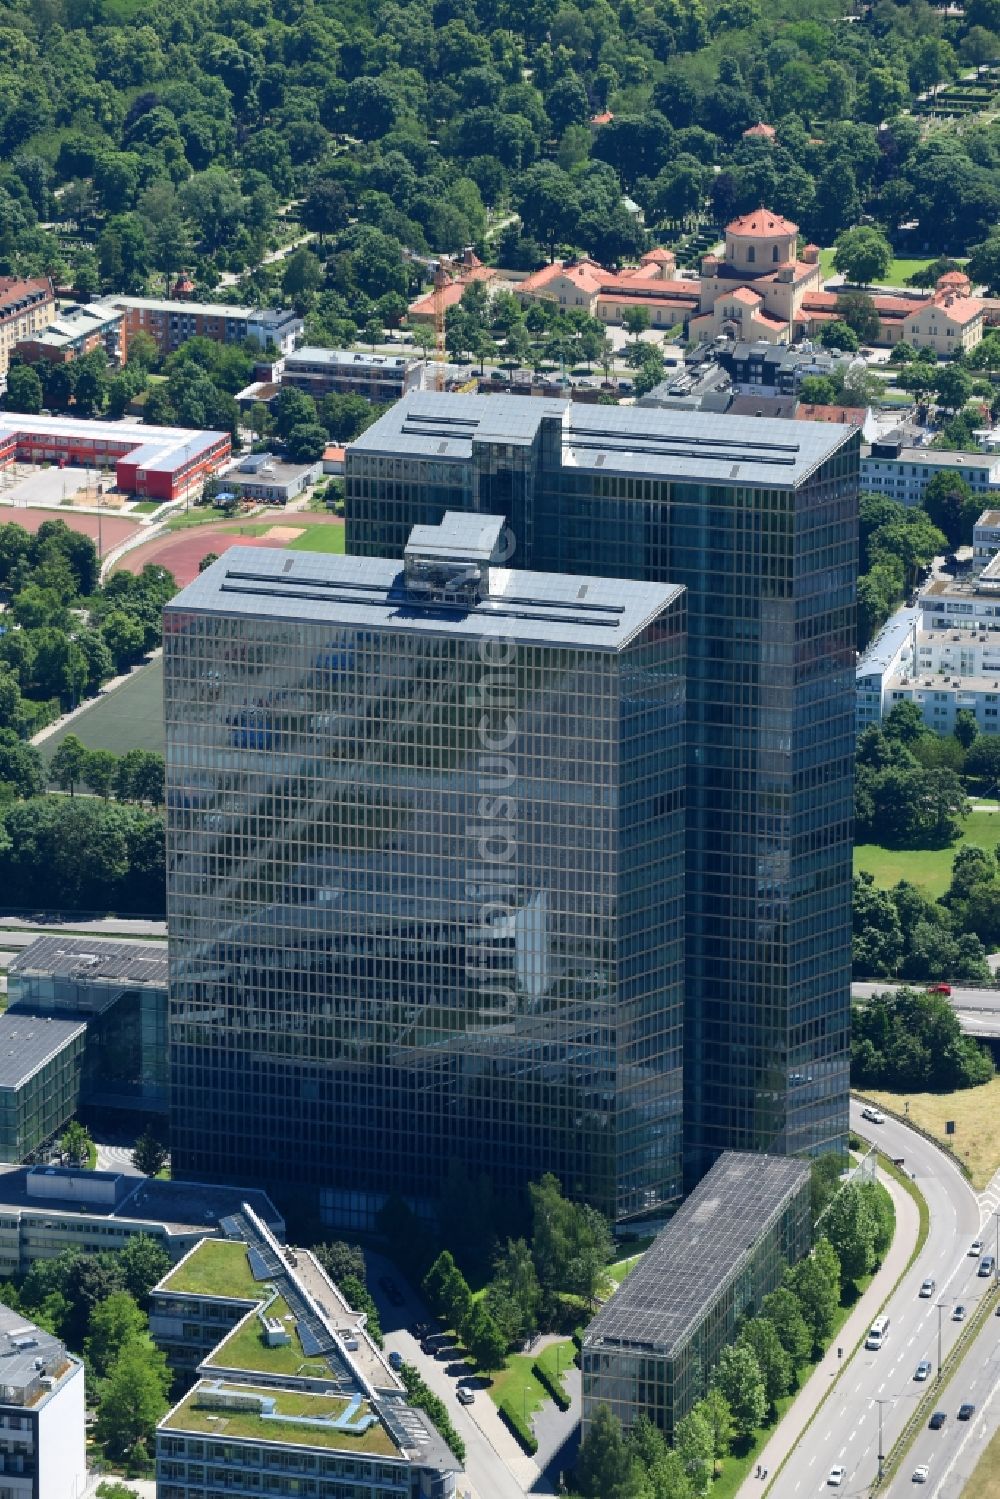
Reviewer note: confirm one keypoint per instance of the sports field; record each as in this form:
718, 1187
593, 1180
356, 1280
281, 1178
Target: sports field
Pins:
180, 552
930, 868
131, 717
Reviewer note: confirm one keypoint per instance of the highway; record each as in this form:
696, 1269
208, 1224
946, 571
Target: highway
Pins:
846, 1429
978, 1010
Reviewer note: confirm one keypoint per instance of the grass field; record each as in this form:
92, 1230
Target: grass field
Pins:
930, 868
897, 275
131, 717
317, 536
985, 1480
976, 1112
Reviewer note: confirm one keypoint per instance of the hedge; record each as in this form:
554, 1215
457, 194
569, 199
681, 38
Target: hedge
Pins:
513, 1420
550, 1386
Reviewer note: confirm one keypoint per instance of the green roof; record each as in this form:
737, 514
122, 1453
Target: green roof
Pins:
196, 1413
245, 1348
217, 1267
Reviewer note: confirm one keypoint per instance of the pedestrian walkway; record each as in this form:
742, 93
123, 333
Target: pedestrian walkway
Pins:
823, 1378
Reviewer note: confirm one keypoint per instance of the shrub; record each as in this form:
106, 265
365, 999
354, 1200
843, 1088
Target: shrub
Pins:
514, 1421
550, 1386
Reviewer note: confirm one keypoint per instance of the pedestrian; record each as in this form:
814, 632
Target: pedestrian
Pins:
756, 1472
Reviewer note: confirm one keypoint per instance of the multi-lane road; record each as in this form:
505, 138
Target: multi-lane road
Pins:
978, 1010
846, 1429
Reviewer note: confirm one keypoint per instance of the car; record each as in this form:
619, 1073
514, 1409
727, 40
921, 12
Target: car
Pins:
874, 1116
426, 1346
958, 1315
966, 1411
465, 1395
392, 1292
923, 1369
937, 1420
975, 1249
944, 989
986, 1265
920, 1474
395, 1360
836, 1476
927, 1287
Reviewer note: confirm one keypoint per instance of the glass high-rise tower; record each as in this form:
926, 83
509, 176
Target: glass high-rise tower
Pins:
757, 519
426, 873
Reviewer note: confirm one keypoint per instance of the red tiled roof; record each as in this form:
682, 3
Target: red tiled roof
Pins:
745, 295
760, 130
953, 278
961, 310
333, 454
760, 224
770, 319
660, 255
604, 118
15, 288
586, 274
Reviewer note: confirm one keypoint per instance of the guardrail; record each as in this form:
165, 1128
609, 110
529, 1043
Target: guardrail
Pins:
917, 1129
932, 1396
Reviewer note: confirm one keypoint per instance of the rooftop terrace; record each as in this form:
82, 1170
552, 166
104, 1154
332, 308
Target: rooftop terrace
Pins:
283, 1416
245, 1348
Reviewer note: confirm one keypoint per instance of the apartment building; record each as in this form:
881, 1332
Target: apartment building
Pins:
42, 1433
26, 308
172, 323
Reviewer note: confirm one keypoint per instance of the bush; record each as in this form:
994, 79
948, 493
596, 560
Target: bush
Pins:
514, 1421
550, 1386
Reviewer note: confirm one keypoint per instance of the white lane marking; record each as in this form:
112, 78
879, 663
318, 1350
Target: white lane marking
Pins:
973, 1425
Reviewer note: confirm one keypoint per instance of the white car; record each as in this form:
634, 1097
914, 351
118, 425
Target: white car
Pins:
927, 1287
975, 1249
920, 1474
872, 1115
836, 1476
923, 1369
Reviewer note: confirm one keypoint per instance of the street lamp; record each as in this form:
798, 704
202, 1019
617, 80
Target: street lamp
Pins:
881, 1454
940, 1308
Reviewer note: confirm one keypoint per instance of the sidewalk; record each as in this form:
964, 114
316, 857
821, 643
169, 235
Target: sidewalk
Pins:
795, 1420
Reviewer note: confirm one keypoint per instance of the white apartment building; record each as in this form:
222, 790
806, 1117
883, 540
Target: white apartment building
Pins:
903, 473
42, 1440
889, 654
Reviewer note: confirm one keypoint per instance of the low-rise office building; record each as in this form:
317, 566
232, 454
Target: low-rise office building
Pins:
901, 472
652, 1348
295, 1397
43, 1451
74, 332
41, 1064
46, 1209
171, 323
377, 377
264, 477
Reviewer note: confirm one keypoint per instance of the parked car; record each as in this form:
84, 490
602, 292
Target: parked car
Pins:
920, 1474
392, 1292
937, 1420
923, 1369
958, 1315
395, 1360
465, 1395
966, 1411
927, 1287
836, 1476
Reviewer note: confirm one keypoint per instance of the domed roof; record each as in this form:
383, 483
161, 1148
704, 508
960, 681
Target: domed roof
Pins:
761, 224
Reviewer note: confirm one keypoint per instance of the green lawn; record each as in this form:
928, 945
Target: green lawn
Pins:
245, 1348
930, 868
146, 507
556, 1359
516, 1386
897, 275
131, 717
218, 1267
317, 536
198, 515
193, 1415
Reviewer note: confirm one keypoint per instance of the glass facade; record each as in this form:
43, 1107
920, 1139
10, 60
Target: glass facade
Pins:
425, 895
768, 559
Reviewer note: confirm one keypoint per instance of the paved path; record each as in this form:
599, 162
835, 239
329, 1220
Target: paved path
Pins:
823, 1378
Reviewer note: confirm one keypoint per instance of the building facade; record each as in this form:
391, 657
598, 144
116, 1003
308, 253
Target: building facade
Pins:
900, 472
758, 521
26, 307
76, 331
171, 323
652, 1348
377, 377
426, 873
42, 1433
261, 476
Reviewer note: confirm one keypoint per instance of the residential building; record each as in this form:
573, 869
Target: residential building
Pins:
46, 1209
163, 463
891, 653
42, 1409
425, 889
296, 1398
758, 521
75, 331
377, 377
651, 1349
264, 477
26, 307
767, 369
171, 323
948, 320
893, 468
115, 993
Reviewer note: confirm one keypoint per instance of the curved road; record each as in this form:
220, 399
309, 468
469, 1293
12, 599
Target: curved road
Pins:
845, 1430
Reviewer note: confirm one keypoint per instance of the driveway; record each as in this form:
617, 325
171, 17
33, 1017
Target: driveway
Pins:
495, 1466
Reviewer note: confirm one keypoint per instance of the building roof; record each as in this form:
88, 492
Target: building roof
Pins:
179, 1205
158, 449
533, 608
333, 453
21, 291
880, 653
604, 118
93, 959
28, 1353
761, 224
203, 309
760, 131
77, 322
746, 296
988, 518
848, 416
28, 1041
940, 458
586, 274
696, 1255
701, 446
351, 358
959, 310
660, 256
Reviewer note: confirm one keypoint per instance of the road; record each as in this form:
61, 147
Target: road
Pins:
845, 1431
978, 1010
951, 1454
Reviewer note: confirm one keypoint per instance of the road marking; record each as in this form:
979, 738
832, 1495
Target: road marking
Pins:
852, 1435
